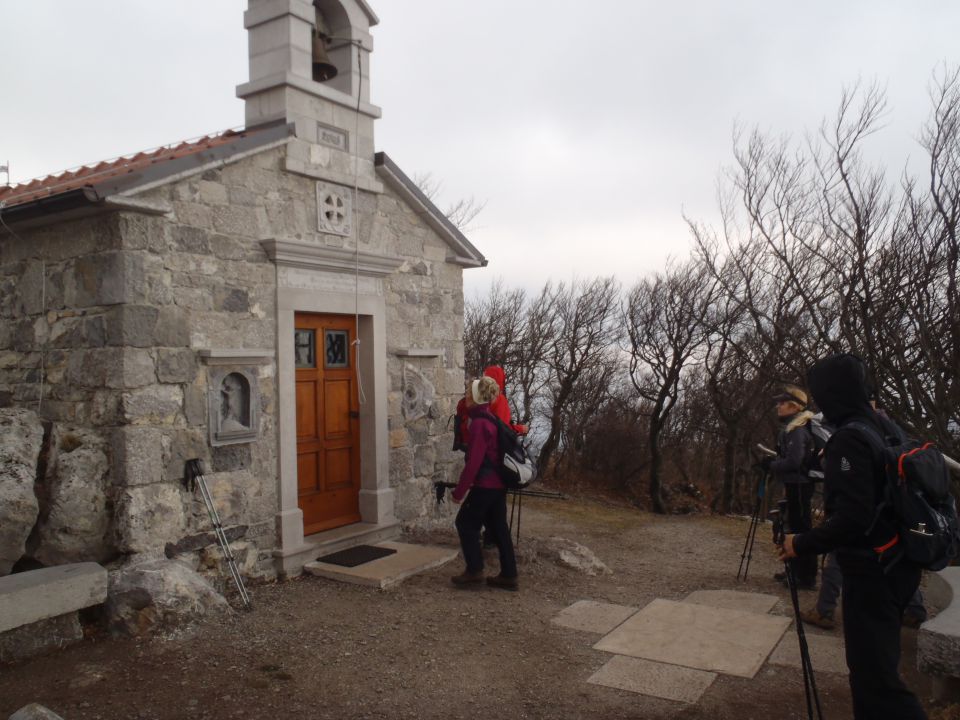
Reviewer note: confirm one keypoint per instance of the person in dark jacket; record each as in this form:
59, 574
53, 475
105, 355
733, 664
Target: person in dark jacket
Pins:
794, 453
875, 591
483, 494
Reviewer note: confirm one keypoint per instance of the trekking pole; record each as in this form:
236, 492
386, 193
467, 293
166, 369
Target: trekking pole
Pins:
809, 682
195, 478
747, 553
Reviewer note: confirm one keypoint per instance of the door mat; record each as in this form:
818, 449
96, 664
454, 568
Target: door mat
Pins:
351, 557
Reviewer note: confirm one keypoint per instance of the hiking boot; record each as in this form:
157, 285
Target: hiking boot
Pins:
465, 579
504, 583
813, 617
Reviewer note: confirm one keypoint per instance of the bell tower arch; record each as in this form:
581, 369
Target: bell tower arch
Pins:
310, 66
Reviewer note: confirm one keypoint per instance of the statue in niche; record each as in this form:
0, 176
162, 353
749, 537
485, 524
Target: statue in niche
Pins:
418, 394
234, 404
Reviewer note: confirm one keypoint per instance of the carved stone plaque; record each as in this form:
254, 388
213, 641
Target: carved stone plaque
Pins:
234, 406
418, 394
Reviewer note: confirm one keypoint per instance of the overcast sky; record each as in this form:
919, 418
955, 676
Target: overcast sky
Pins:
586, 128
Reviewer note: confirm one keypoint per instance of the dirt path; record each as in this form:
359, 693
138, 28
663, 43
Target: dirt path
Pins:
318, 649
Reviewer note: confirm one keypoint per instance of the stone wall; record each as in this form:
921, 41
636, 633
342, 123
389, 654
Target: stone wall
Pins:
115, 309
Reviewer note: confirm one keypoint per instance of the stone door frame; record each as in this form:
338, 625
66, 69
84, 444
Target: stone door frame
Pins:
376, 495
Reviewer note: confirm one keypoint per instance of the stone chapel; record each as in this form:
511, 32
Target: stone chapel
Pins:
281, 302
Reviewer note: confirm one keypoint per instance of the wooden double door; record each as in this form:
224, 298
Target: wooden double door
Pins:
328, 421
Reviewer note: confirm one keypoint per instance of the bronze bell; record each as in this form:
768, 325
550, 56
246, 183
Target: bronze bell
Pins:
323, 69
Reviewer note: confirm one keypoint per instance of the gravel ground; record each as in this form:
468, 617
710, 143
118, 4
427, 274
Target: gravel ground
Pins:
313, 648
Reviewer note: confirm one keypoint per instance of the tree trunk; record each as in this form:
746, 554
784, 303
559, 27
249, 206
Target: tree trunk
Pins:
656, 463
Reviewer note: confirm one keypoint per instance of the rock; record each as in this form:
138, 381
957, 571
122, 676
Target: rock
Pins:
575, 556
40, 637
75, 523
21, 436
35, 711
154, 595
214, 565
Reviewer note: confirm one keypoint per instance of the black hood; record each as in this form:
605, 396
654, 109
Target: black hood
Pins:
839, 387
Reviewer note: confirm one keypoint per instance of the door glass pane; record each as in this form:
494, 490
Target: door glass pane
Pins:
335, 345
305, 347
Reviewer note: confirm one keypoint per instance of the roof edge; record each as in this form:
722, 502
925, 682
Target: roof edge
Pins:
464, 252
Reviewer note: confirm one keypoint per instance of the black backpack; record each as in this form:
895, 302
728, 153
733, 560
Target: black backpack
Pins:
516, 468
918, 494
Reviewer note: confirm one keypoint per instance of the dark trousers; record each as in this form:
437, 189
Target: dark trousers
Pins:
799, 520
873, 605
485, 508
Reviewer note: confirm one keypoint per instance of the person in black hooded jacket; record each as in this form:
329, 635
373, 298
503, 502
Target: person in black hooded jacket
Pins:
875, 593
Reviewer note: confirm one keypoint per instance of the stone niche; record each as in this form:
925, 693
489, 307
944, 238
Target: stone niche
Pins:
234, 406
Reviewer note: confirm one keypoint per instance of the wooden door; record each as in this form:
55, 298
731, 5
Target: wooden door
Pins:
328, 421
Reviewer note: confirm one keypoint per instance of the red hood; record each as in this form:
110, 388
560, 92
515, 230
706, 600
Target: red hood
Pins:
496, 372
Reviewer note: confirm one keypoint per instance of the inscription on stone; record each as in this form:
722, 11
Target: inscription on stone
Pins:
332, 137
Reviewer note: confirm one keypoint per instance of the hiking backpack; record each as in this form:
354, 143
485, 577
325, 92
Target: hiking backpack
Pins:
918, 493
516, 468
820, 433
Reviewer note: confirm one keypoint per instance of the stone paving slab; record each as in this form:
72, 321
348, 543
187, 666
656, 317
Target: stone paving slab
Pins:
733, 642
734, 600
652, 678
386, 571
826, 653
592, 616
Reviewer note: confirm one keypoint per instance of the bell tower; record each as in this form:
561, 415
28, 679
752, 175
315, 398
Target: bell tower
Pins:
310, 66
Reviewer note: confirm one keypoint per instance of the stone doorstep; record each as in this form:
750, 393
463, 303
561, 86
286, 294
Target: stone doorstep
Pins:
387, 571
35, 595
291, 561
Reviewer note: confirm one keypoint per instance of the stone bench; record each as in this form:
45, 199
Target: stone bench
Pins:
38, 608
938, 641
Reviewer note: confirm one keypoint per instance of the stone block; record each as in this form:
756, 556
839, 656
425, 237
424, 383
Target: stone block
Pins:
131, 325
190, 240
176, 365
136, 370
424, 460
35, 595
148, 517
137, 453
21, 436
75, 519
173, 327
180, 446
231, 299
154, 405
399, 438
213, 193
104, 279
195, 404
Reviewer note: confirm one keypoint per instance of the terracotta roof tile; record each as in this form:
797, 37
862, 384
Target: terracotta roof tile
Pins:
89, 175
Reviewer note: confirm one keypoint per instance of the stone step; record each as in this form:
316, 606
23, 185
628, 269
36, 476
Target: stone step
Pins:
387, 571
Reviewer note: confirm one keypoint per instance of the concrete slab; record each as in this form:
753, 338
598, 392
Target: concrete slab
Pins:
386, 571
645, 677
35, 595
734, 600
733, 642
591, 616
826, 653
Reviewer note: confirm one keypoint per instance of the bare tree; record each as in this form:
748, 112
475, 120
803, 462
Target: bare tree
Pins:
584, 338
665, 324
461, 212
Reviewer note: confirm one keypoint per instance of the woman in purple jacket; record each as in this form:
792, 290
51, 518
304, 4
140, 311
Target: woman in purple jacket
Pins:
486, 503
